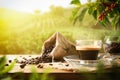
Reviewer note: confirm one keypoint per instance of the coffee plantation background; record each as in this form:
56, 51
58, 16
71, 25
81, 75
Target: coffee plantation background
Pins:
24, 33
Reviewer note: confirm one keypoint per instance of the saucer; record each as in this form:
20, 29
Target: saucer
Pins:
89, 62
75, 61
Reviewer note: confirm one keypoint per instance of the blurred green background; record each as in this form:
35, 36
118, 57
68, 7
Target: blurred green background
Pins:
24, 33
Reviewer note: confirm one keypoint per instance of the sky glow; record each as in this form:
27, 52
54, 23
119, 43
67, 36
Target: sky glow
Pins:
32, 5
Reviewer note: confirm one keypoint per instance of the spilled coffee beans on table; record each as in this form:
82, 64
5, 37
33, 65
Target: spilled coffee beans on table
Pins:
36, 60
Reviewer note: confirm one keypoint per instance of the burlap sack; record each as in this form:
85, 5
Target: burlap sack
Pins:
58, 47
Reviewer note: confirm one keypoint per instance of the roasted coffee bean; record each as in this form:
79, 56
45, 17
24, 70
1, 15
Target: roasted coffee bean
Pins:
39, 66
22, 66
37, 62
48, 60
24, 58
37, 58
43, 56
6, 64
47, 51
10, 61
66, 64
51, 64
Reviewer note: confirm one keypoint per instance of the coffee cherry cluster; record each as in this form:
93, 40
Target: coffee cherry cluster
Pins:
109, 8
102, 16
112, 6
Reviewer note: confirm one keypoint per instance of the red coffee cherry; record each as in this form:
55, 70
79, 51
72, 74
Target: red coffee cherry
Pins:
113, 5
108, 9
102, 16
107, 4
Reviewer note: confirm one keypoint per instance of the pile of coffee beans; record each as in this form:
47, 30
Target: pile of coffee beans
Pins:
36, 60
113, 48
45, 55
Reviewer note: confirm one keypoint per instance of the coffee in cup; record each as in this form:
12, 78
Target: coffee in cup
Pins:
88, 49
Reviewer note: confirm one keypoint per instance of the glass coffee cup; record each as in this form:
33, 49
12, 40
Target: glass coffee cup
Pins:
88, 49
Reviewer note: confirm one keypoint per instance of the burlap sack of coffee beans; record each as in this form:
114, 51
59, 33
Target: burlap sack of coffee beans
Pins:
58, 46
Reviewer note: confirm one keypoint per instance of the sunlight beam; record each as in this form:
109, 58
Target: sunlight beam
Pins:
32, 5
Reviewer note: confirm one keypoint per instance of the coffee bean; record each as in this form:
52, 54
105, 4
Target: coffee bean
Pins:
66, 64
40, 66
22, 66
37, 58
6, 64
51, 64
10, 61
37, 62
24, 58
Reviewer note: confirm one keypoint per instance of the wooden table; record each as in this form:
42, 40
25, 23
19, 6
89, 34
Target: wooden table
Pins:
61, 72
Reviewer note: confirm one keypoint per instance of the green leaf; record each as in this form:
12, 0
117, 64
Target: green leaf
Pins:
118, 22
34, 76
100, 67
8, 68
74, 14
103, 23
95, 14
90, 10
75, 2
107, 21
114, 21
75, 20
45, 75
82, 14
2, 62
7, 78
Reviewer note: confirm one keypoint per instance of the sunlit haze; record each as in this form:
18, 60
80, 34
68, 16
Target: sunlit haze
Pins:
32, 5
26, 24
12, 19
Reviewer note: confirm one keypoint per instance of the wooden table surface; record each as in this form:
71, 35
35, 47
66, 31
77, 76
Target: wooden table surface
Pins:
55, 67
58, 69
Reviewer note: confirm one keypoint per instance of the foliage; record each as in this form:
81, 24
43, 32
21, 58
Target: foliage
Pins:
103, 73
36, 76
106, 12
5, 69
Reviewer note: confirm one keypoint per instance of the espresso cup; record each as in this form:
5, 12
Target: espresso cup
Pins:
88, 49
